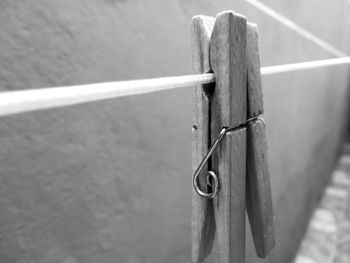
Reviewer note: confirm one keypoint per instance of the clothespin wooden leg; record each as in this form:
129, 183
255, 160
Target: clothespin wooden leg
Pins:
230, 201
203, 223
259, 203
228, 109
258, 189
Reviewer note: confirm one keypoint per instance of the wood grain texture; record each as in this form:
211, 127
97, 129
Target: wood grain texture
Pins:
255, 96
203, 223
228, 109
228, 61
259, 201
229, 205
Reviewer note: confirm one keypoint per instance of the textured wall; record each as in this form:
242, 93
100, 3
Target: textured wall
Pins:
111, 181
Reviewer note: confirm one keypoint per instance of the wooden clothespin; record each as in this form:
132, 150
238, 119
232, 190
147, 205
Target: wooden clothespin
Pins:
214, 110
221, 115
258, 189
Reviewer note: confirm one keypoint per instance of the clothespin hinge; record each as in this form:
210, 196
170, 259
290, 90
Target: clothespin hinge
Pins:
212, 178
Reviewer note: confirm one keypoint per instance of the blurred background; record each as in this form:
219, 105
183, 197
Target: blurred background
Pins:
111, 181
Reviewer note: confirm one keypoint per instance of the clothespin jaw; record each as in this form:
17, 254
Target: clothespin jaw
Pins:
203, 222
228, 62
255, 96
228, 109
258, 189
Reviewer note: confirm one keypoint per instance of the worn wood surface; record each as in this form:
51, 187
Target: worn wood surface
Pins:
255, 97
228, 109
259, 201
203, 223
229, 205
228, 61
258, 192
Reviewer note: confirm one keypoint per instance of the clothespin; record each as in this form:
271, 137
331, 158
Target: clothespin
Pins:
225, 107
258, 189
222, 117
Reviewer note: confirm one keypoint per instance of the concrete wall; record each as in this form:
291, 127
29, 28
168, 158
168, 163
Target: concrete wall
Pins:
111, 181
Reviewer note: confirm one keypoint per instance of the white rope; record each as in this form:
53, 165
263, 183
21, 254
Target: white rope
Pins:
304, 65
301, 31
38, 99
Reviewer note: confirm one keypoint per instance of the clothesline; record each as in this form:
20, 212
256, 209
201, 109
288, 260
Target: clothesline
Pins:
304, 65
15, 102
38, 99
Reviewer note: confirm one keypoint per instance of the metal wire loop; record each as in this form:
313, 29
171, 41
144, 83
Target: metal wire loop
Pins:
213, 179
214, 183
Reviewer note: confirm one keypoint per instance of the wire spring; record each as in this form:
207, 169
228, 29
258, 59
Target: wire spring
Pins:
211, 177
